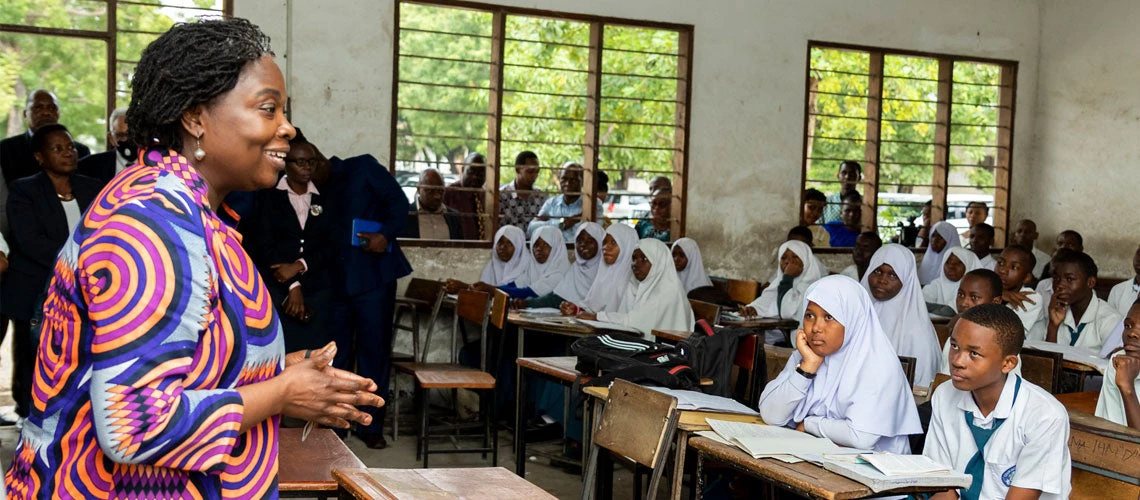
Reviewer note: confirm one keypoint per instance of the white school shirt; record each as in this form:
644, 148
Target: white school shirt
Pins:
1123, 295
1100, 319
851, 271
1042, 261
987, 262
1030, 450
1110, 404
1032, 313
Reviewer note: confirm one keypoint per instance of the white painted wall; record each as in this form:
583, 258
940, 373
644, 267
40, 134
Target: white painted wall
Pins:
1084, 173
747, 105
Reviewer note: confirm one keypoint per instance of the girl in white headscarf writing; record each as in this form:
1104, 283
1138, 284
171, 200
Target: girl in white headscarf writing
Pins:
956, 262
576, 282
893, 282
844, 381
612, 289
942, 236
659, 301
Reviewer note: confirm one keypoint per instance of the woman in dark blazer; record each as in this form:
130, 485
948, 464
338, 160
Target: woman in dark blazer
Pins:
294, 260
43, 210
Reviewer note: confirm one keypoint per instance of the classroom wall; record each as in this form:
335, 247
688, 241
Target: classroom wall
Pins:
747, 101
1088, 116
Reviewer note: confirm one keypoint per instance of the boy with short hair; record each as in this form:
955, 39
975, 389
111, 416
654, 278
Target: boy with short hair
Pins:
844, 231
1026, 235
976, 213
1067, 241
1075, 316
981, 239
814, 203
1118, 396
1010, 435
977, 287
1124, 293
1015, 267
866, 244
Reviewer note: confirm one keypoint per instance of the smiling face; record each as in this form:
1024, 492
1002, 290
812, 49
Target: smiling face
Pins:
954, 268
610, 250
824, 332
586, 246
58, 154
937, 242
244, 131
680, 260
885, 284
541, 250
972, 291
641, 265
504, 249
976, 359
791, 264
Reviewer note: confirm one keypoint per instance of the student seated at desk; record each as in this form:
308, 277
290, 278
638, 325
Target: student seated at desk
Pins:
691, 271
981, 240
783, 298
1010, 435
893, 283
576, 282
943, 236
980, 286
659, 301
1124, 293
943, 291
612, 289
1015, 268
1118, 401
1067, 241
844, 381
1075, 315
866, 244
509, 265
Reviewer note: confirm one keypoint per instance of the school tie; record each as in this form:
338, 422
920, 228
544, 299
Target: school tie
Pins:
976, 467
1075, 335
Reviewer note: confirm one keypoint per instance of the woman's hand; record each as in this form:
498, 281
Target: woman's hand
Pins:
299, 356
315, 391
295, 303
518, 304
286, 271
812, 361
568, 309
748, 311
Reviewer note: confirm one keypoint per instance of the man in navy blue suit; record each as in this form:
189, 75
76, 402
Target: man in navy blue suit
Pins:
364, 277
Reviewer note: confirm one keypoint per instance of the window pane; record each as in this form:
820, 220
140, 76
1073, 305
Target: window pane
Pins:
973, 138
160, 16
67, 14
838, 95
74, 69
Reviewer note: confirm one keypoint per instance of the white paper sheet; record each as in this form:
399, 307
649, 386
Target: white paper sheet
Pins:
1069, 353
904, 465
696, 400
609, 326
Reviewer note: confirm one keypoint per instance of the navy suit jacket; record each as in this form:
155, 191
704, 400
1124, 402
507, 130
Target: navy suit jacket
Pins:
272, 235
361, 188
100, 166
16, 160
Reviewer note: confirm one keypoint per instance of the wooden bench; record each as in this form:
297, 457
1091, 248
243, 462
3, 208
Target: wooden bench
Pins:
304, 469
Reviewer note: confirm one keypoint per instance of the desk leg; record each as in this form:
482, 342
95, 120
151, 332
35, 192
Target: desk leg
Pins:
699, 477
679, 464
520, 434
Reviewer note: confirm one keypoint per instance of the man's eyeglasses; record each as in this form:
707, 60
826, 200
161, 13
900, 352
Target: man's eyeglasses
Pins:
304, 162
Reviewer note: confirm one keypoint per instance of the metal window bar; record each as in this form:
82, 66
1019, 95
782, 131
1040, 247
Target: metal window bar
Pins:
428, 110
551, 68
642, 148
993, 146
838, 72
831, 138
971, 186
975, 125
447, 85
638, 171
647, 52
141, 32
861, 161
857, 96
894, 120
972, 84
430, 136
637, 75
921, 143
144, 4
913, 78
639, 99
531, 117
916, 164
449, 33
648, 124
447, 59
825, 115
547, 143
560, 44
979, 105
551, 94
903, 99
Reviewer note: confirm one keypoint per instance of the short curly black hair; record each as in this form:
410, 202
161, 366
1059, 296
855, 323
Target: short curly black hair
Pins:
1009, 333
193, 63
39, 137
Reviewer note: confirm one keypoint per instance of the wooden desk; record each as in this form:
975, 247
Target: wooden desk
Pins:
803, 478
557, 368
690, 421
1084, 402
488, 483
672, 335
305, 469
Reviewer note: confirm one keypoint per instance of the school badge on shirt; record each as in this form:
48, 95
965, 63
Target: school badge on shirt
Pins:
315, 210
1007, 476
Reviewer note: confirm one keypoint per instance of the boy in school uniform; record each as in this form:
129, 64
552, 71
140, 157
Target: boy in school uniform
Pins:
981, 239
1118, 401
1067, 241
866, 244
1075, 316
1015, 266
1124, 293
1010, 435
814, 203
1026, 235
977, 287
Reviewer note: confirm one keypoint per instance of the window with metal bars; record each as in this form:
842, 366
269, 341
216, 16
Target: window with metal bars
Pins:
933, 133
85, 51
477, 87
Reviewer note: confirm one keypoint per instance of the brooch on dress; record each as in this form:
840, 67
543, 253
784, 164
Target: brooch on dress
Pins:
315, 210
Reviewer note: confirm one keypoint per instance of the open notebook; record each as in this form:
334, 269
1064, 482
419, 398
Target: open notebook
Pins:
884, 471
770, 441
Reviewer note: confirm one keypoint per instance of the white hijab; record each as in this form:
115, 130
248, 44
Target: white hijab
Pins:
863, 381
612, 289
789, 308
545, 277
516, 270
659, 301
694, 275
932, 261
574, 287
904, 318
942, 290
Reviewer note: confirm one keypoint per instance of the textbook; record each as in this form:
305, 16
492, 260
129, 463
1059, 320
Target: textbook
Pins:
770, 441
699, 401
875, 479
606, 325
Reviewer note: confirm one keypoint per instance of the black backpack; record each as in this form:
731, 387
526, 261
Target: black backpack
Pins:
711, 353
604, 358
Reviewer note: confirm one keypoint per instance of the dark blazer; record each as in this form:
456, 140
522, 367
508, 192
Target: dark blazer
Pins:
99, 166
273, 236
38, 229
16, 160
361, 188
412, 226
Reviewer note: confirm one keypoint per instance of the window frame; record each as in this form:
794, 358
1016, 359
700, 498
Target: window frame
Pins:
108, 36
1007, 112
591, 147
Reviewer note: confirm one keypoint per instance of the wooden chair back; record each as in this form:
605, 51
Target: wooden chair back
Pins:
775, 358
939, 378
743, 291
706, 311
475, 306
1042, 368
500, 303
752, 365
943, 332
908, 366
1103, 455
424, 290
637, 423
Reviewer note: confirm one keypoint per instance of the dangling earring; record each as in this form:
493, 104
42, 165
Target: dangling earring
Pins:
199, 153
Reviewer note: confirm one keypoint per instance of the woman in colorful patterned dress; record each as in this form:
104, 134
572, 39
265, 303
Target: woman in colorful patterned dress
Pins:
161, 371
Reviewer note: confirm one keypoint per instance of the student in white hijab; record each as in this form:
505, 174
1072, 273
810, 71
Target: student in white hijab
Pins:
659, 301
549, 262
956, 262
893, 282
588, 257
844, 381
693, 275
612, 289
796, 270
942, 236
510, 261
